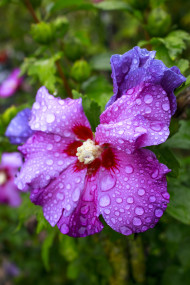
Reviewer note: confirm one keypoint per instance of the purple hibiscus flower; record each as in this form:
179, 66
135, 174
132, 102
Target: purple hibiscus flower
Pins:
137, 66
18, 130
76, 176
9, 193
9, 86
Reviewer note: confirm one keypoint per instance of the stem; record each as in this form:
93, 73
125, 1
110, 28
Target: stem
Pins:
58, 65
66, 85
31, 10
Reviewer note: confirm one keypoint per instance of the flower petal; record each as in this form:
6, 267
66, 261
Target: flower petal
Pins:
12, 160
9, 194
57, 116
145, 106
44, 159
62, 193
18, 130
84, 220
11, 83
138, 65
133, 198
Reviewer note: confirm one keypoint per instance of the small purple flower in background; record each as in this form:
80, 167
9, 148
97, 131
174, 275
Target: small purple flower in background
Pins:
76, 176
9, 86
18, 130
9, 194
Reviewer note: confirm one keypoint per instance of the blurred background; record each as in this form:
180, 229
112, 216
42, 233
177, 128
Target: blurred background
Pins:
66, 45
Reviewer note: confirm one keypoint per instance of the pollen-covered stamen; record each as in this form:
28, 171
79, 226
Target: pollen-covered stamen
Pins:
88, 152
3, 177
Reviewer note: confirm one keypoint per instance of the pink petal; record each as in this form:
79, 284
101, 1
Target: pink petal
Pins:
57, 116
44, 159
145, 103
133, 197
63, 193
84, 220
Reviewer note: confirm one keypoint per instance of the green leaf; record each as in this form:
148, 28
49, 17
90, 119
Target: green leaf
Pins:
43, 69
46, 248
183, 64
182, 138
113, 5
98, 89
165, 156
92, 111
179, 206
101, 61
76, 4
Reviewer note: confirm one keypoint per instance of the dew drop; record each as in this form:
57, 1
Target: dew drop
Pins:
141, 192
66, 133
49, 161
104, 201
139, 211
50, 118
76, 195
129, 169
60, 196
130, 200
152, 199
64, 229
158, 213
125, 230
165, 107
148, 99
119, 200
107, 182
137, 221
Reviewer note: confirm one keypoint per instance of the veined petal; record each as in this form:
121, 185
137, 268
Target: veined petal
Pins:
84, 219
57, 116
133, 197
18, 130
61, 195
138, 65
145, 106
44, 159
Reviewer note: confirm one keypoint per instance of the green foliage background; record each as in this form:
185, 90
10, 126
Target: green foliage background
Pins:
66, 45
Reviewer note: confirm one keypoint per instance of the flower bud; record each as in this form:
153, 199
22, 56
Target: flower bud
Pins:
61, 26
80, 70
159, 22
42, 33
73, 49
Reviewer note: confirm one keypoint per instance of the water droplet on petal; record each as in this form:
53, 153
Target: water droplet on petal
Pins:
141, 192
104, 201
137, 221
158, 213
165, 107
130, 200
66, 133
119, 200
107, 182
85, 209
155, 173
50, 118
148, 99
129, 169
49, 161
152, 199
139, 211
60, 196
125, 230
76, 194
64, 229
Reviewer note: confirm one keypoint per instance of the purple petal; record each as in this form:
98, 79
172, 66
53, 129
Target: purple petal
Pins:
44, 159
11, 84
84, 219
18, 130
133, 197
144, 111
54, 115
62, 193
138, 65
12, 160
9, 194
